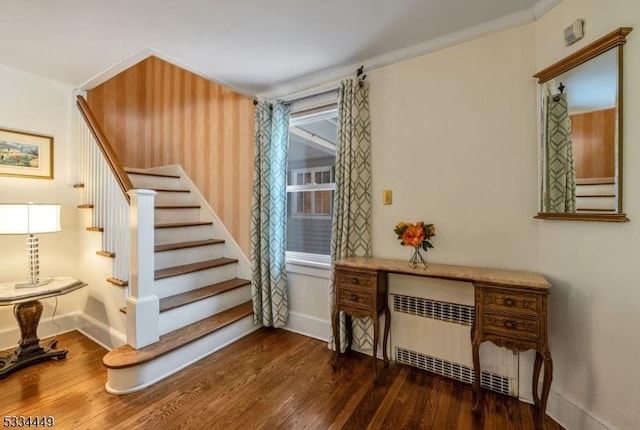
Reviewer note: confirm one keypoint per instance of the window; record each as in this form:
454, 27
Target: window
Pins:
312, 191
311, 185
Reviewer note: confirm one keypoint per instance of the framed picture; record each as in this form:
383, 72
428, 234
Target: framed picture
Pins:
26, 155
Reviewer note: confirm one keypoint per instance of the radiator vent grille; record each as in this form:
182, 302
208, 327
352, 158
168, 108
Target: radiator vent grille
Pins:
427, 308
489, 381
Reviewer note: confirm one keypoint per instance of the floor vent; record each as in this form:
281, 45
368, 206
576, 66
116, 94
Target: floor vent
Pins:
489, 381
427, 308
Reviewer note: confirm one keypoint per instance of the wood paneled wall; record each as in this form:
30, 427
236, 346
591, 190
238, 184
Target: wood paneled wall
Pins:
593, 137
157, 114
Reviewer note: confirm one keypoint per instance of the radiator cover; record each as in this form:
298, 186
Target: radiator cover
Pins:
431, 323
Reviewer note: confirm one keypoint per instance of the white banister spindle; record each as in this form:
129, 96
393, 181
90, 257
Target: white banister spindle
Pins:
110, 205
129, 231
143, 307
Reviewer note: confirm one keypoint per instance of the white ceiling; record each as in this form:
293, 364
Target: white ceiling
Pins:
253, 46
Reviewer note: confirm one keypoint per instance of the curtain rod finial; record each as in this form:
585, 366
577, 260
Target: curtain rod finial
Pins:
360, 74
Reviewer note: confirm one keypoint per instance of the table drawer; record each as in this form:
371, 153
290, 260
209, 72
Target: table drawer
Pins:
356, 279
356, 297
512, 325
501, 301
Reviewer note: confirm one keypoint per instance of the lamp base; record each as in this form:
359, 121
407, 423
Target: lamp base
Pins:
40, 283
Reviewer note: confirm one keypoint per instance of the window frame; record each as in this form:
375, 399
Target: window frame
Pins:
296, 211
310, 113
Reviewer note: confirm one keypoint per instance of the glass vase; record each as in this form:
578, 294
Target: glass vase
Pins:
417, 260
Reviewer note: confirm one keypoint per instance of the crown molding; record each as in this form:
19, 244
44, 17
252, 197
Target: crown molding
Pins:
542, 7
143, 54
119, 67
330, 77
319, 79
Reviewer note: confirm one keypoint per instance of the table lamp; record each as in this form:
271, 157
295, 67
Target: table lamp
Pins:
30, 218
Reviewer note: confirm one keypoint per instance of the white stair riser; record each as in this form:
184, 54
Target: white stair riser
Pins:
191, 281
130, 379
173, 198
164, 236
165, 216
152, 182
188, 314
178, 257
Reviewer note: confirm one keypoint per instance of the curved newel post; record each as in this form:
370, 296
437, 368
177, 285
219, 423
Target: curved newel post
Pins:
143, 309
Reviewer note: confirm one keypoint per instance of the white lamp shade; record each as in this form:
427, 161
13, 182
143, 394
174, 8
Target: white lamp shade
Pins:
29, 218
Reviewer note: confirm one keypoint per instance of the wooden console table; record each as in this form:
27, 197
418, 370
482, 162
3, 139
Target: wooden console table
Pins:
510, 309
28, 310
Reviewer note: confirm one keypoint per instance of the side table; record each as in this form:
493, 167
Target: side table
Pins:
27, 310
361, 293
516, 319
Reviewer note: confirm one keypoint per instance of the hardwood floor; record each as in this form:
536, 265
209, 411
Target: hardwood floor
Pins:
271, 379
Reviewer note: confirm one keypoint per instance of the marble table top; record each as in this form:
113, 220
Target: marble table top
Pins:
506, 278
10, 295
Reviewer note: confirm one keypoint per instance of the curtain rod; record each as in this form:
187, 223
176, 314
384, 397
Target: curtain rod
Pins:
310, 96
359, 73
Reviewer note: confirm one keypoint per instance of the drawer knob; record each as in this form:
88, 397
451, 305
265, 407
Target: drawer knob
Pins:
354, 281
509, 301
509, 324
354, 297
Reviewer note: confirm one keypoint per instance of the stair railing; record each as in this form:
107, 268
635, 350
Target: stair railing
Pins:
126, 217
105, 188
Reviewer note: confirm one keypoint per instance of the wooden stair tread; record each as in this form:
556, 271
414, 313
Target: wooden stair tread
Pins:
106, 254
184, 245
192, 267
178, 207
95, 229
182, 299
126, 356
171, 190
168, 303
78, 185
85, 206
183, 224
158, 175
118, 282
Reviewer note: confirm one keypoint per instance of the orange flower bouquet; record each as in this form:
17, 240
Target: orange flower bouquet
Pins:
417, 236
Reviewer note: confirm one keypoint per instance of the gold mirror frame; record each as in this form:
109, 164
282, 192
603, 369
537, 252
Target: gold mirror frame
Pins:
612, 40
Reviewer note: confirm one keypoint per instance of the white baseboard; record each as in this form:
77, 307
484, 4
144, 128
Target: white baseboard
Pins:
48, 327
571, 416
308, 326
100, 333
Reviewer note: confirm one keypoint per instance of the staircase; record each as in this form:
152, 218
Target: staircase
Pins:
200, 280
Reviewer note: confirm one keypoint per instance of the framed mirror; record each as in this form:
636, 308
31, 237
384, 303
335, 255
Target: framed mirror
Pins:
581, 139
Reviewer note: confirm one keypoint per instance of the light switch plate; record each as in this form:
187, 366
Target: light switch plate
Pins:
387, 197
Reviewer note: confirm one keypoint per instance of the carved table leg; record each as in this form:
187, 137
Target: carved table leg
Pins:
335, 318
387, 323
546, 384
475, 349
29, 350
376, 327
348, 326
537, 364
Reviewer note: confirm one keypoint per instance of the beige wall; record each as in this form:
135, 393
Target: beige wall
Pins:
455, 137
595, 306
158, 114
40, 106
